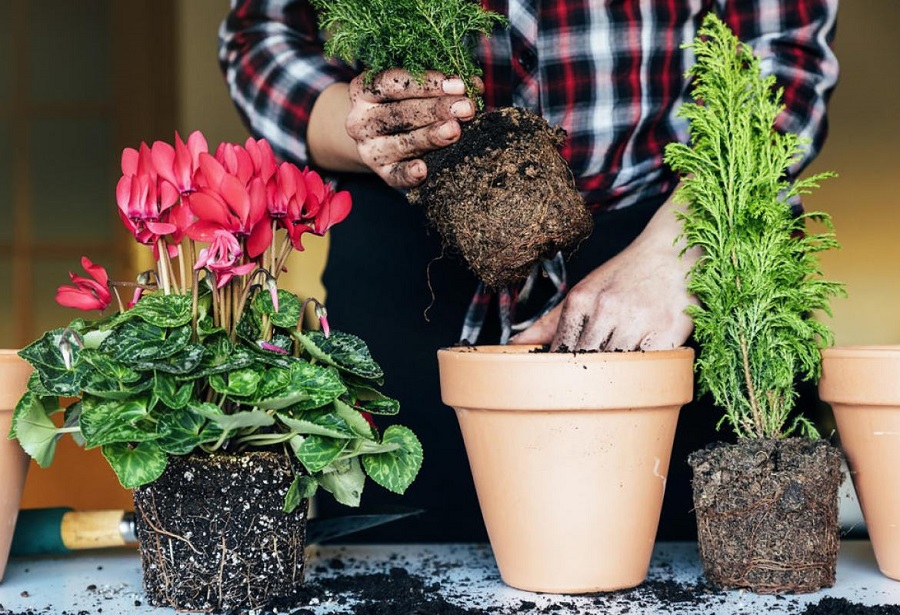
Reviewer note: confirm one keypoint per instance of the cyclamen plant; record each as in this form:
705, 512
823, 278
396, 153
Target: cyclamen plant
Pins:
209, 355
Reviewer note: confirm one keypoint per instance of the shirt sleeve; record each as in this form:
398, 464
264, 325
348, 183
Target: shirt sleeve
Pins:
793, 40
272, 57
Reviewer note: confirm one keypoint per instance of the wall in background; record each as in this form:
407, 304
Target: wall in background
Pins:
864, 199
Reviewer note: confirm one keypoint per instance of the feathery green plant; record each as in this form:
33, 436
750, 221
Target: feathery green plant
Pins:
416, 35
758, 280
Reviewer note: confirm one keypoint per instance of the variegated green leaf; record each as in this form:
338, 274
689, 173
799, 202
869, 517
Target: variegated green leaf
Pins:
174, 394
106, 421
136, 341
135, 465
240, 383
163, 310
32, 426
343, 350
303, 487
311, 386
317, 452
395, 470
345, 481
307, 424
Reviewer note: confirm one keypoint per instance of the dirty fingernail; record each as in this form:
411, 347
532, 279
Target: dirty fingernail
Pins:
454, 86
461, 108
448, 131
417, 170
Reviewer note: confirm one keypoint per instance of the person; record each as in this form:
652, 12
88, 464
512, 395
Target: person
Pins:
612, 74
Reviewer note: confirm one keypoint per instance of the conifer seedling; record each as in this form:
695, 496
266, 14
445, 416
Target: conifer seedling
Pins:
416, 35
758, 282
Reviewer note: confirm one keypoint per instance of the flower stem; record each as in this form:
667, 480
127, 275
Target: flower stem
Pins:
181, 268
161, 264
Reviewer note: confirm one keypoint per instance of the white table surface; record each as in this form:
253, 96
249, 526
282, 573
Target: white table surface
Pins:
109, 582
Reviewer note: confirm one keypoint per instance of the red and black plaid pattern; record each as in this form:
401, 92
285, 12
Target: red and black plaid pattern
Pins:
610, 72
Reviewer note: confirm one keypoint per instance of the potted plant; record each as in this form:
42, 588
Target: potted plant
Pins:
767, 506
501, 196
14, 374
204, 391
862, 386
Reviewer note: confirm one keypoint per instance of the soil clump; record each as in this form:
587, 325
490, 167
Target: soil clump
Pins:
502, 197
213, 534
767, 514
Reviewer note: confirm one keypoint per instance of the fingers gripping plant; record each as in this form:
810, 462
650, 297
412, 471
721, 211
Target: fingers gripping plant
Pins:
416, 35
758, 282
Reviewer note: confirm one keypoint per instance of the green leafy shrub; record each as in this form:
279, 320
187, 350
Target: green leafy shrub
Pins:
758, 280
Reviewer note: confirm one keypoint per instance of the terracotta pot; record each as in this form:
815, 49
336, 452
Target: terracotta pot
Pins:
569, 453
862, 384
14, 373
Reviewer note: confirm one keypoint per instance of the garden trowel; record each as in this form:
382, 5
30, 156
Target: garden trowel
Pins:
56, 531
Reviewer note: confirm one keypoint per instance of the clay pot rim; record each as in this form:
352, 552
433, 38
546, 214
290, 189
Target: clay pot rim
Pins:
862, 352
525, 353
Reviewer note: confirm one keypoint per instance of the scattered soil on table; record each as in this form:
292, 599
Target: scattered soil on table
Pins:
399, 592
502, 197
767, 514
842, 606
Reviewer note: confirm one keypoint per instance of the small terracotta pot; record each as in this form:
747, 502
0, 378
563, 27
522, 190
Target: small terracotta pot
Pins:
862, 384
569, 453
14, 373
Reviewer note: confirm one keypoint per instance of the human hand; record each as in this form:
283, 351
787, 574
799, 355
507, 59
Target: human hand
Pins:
636, 300
395, 119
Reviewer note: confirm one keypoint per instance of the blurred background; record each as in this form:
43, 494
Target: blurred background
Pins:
82, 79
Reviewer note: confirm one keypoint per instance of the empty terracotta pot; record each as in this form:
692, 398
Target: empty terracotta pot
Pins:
862, 384
569, 453
14, 373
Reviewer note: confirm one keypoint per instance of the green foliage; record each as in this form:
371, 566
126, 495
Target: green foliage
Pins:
758, 280
416, 35
146, 389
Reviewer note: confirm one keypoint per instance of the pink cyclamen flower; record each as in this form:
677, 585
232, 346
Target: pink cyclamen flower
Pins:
222, 258
178, 165
228, 204
263, 158
322, 315
144, 201
254, 160
335, 209
87, 293
286, 192
320, 210
271, 347
272, 284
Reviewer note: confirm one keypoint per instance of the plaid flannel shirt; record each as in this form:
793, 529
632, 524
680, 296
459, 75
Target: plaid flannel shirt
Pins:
610, 72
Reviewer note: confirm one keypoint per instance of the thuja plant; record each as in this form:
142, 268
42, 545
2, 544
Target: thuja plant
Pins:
210, 355
416, 35
758, 281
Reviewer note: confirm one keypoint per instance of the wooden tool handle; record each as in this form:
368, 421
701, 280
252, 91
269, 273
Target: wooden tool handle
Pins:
94, 529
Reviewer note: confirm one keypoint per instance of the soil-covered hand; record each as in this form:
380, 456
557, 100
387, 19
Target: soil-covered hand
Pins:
395, 119
636, 300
